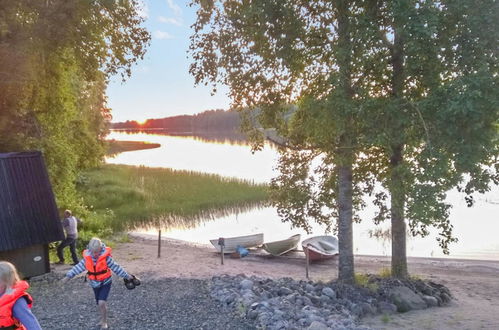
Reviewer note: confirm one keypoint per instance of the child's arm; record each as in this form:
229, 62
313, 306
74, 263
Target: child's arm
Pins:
22, 312
117, 269
77, 269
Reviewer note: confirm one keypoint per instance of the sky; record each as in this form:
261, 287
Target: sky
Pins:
161, 85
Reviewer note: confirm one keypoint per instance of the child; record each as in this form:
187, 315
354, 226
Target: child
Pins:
98, 263
15, 303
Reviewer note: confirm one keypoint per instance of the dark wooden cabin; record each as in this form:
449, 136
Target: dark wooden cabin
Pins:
29, 219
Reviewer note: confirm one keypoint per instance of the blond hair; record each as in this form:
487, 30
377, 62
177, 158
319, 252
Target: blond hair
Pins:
95, 244
8, 273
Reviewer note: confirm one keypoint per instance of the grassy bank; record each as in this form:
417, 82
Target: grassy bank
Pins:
115, 147
125, 197
120, 198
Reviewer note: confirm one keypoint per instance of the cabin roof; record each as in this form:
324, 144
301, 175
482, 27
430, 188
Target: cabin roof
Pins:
28, 212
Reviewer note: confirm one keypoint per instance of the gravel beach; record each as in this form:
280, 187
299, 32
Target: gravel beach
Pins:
176, 290
168, 303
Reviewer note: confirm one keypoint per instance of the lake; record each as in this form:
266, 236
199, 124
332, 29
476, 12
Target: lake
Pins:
476, 228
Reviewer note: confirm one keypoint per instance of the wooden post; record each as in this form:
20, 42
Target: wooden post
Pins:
307, 261
159, 243
221, 243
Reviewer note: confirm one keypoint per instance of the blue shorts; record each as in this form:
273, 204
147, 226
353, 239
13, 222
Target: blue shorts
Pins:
102, 292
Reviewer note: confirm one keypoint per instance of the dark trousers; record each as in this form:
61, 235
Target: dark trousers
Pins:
71, 242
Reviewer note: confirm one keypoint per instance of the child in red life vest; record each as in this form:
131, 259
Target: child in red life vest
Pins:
15, 303
98, 263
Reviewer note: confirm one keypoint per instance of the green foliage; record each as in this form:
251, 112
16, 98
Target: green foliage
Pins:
385, 318
124, 197
385, 272
398, 92
56, 58
363, 281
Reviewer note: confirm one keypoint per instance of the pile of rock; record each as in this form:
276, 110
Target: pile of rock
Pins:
289, 304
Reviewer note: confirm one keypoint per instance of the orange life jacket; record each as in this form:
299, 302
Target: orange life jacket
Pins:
98, 271
7, 301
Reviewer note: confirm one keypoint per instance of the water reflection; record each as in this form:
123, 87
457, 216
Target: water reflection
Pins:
224, 137
476, 227
195, 154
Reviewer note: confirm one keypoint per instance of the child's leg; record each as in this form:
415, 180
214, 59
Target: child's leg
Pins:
103, 313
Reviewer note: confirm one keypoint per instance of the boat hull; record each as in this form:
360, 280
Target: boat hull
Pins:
231, 243
278, 248
320, 247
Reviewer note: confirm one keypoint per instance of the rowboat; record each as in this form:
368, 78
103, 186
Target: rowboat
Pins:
320, 247
231, 243
278, 248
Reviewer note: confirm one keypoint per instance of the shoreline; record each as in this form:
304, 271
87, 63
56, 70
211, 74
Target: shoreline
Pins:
473, 283
154, 238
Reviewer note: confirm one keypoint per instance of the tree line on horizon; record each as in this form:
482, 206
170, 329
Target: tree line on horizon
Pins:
218, 120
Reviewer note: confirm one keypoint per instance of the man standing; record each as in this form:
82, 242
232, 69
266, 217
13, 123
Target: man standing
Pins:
70, 225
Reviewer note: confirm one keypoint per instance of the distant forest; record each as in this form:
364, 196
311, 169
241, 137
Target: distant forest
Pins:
207, 121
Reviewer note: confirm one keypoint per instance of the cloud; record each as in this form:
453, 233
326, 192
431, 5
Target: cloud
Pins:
171, 20
158, 34
174, 7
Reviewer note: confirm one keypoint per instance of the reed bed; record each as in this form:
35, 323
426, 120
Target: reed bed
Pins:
127, 197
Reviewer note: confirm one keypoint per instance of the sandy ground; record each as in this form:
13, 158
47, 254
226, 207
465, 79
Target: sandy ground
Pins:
474, 283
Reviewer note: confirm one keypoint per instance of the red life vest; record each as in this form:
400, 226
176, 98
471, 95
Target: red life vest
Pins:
7, 301
98, 271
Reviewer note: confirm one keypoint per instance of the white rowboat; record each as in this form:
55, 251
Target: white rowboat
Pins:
231, 243
278, 248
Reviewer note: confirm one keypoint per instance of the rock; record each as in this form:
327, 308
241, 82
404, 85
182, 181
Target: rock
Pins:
303, 322
357, 310
246, 284
325, 300
279, 325
307, 301
314, 299
284, 291
309, 287
292, 297
252, 314
386, 308
316, 325
430, 301
445, 298
260, 305
405, 299
368, 309
327, 291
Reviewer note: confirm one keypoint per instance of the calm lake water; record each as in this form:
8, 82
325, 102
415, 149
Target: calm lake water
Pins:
477, 228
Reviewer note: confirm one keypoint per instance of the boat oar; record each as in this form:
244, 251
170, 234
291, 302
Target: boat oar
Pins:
221, 243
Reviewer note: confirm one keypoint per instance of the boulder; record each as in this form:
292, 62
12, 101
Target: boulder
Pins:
430, 301
327, 291
386, 308
405, 299
316, 325
284, 291
246, 284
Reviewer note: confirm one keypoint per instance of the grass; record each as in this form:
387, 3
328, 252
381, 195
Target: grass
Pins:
385, 272
385, 318
363, 280
127, 197
117, 198
115, 147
